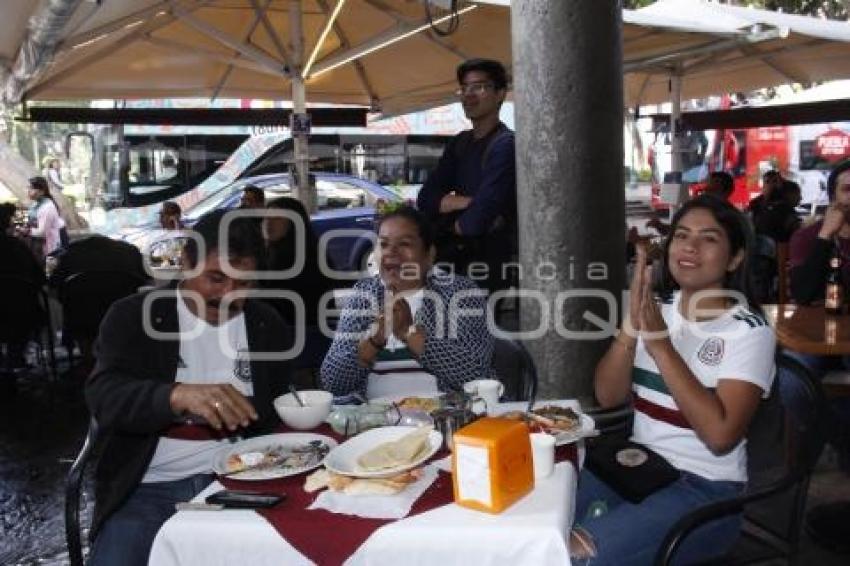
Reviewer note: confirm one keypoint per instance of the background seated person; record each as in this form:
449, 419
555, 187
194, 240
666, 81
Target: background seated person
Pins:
779, 219
697, 366
811, 247
282, 251
165, 406
771, 181
169, 216
404, 331
720, 185
18, 261
810, 251
252, 197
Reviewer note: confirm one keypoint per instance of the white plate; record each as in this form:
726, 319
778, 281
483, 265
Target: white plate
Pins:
258, 444
343, 459
587, 427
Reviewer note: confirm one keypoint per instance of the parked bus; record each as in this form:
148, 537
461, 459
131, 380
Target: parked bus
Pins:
804, 153
134, 174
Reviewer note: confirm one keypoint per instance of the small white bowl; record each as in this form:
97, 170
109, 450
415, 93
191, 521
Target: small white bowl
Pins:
317, 407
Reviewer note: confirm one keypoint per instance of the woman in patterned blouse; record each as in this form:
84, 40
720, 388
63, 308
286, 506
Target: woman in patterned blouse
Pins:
412, 329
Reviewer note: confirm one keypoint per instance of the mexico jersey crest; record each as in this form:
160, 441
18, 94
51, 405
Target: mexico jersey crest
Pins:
711, 351
242, 366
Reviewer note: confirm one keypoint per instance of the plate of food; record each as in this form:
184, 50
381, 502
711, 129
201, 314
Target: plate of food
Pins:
559, 419
421, 403
272, 456
384, 452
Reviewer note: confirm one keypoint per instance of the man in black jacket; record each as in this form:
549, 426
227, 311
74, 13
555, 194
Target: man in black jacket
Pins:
176, 375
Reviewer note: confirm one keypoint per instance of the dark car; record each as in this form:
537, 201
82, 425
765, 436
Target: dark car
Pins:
345, 203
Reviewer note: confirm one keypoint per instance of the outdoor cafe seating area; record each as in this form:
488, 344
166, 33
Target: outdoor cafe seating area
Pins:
424, 282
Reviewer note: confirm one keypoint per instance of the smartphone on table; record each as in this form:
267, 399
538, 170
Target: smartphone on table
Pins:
233, 499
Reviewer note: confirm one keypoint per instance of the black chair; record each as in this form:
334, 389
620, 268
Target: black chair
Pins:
73, 488
516, 370
25, 314
794, 435
87, 295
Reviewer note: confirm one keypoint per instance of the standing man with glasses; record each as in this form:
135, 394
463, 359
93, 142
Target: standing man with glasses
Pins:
471, 195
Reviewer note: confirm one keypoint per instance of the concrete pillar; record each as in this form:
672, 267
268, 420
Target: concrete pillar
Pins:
568, 92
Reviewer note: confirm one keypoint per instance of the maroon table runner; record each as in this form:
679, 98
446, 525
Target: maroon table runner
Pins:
307, 530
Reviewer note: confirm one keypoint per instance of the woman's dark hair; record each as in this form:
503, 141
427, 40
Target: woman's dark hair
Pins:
740, 236
426, 231
7, 212
258, 193
786, 188
40, 183
494, 70
725, 180
281, 255
171, 208
243, 238
833, 178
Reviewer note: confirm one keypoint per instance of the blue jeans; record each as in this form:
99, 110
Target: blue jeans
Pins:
127, 535
629, 534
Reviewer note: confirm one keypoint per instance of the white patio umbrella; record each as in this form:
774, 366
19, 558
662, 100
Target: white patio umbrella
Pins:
377, 53
767, 49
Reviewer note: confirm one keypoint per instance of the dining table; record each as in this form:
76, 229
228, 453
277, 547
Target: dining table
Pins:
811, 330
532, 531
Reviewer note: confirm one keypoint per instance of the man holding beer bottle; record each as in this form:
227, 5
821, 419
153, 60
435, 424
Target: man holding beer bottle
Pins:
815, 247
820, 271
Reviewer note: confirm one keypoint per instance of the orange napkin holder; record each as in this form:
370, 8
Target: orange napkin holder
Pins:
491, 464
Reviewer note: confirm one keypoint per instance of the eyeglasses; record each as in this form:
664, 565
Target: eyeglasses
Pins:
473, 88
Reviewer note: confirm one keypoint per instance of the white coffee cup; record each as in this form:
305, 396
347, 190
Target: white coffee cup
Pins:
542, 454
488, 390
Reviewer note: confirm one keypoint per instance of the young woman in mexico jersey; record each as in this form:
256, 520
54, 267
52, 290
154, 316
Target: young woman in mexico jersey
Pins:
696, 365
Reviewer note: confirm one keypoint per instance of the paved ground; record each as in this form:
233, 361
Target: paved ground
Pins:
40, 435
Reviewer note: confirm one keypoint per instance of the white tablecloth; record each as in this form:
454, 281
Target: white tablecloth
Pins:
533, 531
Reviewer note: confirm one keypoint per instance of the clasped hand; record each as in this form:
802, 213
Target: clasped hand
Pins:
645, 319
400, 320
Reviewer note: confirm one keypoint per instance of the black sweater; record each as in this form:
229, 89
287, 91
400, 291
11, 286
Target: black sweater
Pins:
129, 389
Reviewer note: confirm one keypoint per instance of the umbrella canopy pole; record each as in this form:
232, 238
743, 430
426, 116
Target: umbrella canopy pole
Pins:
305, 193
676, 134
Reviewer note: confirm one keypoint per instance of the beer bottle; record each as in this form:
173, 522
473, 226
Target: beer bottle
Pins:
834, 295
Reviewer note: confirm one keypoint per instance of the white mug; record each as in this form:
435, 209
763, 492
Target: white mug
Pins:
542, 454
487, 390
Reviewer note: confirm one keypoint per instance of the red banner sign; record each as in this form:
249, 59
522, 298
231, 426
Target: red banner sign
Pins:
833, 144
